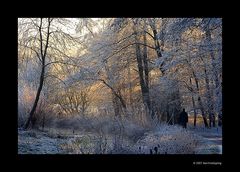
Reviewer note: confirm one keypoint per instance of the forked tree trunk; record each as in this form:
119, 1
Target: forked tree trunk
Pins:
143, 73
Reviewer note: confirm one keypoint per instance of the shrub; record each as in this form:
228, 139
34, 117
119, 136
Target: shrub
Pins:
169, 140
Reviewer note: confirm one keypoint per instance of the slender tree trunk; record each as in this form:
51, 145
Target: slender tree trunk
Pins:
200, 100
141, 71
145, 59
43, 55
215, 74
195, 113
209, 101
178, 107
200, 104
117, 98
203, 112
116, 94
115, 105
157, 44
36, 100
194, 107
129, 82
146, 73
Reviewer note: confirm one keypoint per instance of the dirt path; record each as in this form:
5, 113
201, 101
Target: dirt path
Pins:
211, 142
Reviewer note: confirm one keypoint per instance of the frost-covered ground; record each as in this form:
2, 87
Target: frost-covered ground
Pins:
170, 140
162, 140
36, 142
211, 140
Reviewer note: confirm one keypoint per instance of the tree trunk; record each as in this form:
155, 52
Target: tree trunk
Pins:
202, 110
43, 55
209, 100
215, 75
195, 113
145, 59
142, 68
194, 107
129, 82
115, 105
178, 105
157, 44
115, 93
200, 100
36, 100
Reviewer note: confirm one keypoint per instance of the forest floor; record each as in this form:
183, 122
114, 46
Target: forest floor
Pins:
55, 141
211, 142
37, 142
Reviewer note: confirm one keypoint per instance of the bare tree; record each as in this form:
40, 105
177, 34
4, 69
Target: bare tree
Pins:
48, 42
42, 56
